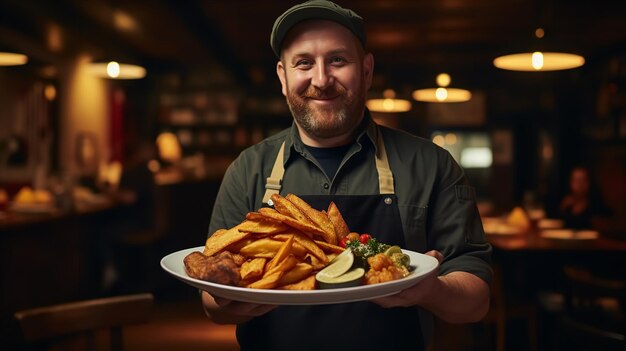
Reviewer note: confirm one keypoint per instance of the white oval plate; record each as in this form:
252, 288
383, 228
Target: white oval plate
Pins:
423, 264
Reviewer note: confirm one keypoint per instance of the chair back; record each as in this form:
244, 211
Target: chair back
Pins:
75, 325
595, 309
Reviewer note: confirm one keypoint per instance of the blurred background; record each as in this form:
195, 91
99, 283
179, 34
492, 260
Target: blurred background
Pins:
119, 118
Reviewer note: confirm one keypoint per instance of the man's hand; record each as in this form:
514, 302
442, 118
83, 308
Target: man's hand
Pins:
416, 294
458, 297
224, 311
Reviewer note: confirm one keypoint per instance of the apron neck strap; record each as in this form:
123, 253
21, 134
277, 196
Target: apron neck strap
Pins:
385, 177
274, 181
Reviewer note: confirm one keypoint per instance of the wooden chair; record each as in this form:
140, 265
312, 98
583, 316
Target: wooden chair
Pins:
75, 325
594, 313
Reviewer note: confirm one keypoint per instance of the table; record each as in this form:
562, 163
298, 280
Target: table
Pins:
534, 242
529, 265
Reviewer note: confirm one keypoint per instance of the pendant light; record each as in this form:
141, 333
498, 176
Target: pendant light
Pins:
115, 70
442, 94
389, 103
538, 60
12, 59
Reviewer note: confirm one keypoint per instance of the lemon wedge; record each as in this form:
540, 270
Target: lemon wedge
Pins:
338, 266
353, 277
392, 250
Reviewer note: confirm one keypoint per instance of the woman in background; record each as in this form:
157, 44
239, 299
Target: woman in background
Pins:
582, 208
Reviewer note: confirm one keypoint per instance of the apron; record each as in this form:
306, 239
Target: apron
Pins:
349, 326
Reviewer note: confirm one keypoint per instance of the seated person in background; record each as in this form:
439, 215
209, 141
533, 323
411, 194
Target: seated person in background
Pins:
582, 208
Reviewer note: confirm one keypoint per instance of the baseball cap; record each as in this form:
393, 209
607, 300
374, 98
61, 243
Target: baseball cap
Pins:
315, 9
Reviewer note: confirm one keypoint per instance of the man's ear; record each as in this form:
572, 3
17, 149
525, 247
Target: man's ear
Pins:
280, 72
368, 69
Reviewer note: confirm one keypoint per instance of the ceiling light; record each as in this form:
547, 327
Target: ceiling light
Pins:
115, 70
442, 93
12, 59
389, 103
538, 60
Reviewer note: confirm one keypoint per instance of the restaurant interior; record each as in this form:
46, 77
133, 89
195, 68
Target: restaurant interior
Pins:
119, 118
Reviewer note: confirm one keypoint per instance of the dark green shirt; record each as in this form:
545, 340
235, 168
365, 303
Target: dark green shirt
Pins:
436, 203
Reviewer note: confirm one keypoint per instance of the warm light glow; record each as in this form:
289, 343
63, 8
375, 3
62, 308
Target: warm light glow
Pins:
476, 157
539, 33
54, 37
154, 166
117, 70
124, 21
113, 69
12, 59
436, 95
450, 139
552, 61
50, 92
441, 94
439, 140
389, 103
443, 79
537, 59
169, 147
389, 94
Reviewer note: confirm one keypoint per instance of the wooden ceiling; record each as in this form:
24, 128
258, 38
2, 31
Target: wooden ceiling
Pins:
412, 41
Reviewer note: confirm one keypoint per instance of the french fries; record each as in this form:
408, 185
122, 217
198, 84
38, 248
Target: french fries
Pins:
282, 248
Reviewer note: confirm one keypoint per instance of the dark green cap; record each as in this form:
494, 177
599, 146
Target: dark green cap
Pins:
315, 9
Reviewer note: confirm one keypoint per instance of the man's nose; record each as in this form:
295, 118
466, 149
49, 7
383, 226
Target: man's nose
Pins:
321, 76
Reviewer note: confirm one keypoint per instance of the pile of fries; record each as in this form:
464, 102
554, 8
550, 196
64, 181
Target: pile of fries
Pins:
284, 247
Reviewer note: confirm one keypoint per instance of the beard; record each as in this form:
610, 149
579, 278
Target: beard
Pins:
327, 121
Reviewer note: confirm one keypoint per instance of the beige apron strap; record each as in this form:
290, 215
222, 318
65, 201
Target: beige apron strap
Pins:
273, 182
385, 177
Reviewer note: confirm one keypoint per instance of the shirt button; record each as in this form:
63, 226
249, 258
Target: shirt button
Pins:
326, 186
388, 200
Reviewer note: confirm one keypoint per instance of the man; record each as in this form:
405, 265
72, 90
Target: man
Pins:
402, 189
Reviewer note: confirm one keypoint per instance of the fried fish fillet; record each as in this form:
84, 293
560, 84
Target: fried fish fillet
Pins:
220, 268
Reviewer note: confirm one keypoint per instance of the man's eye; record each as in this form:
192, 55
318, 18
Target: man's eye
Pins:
338, 60
303, 63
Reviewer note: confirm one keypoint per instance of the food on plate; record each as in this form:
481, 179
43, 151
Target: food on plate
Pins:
340, 226
353, 277
380, 263
364, 246
338, 266
290, 247
383, 269
340, 272
220, 269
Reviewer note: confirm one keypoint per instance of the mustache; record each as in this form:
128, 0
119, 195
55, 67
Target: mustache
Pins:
314, 92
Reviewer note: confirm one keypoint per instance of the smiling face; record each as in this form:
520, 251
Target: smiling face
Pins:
325, 76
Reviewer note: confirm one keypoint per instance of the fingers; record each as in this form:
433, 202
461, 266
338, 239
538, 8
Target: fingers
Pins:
436, 254
226, 311
247, 309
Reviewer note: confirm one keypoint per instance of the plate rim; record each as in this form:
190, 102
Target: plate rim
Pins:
301, 297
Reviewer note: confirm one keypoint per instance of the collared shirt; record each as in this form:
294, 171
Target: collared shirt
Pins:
436, 203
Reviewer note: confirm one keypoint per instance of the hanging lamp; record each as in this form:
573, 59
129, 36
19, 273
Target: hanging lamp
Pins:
442, 93
389, 103
539, 60
12, 59
116, 70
